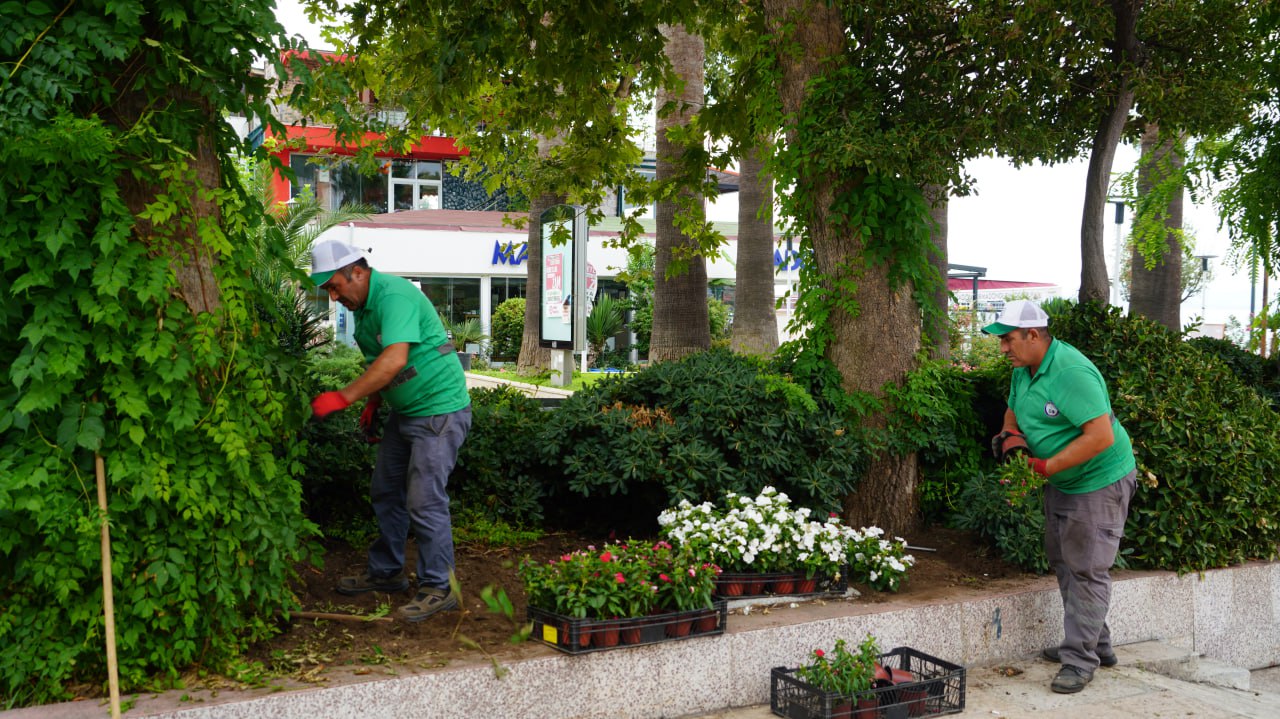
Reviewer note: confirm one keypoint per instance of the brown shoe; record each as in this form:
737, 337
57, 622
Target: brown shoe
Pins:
428, 602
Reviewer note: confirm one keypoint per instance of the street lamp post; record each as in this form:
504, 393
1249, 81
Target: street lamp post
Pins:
1115, 281
1204, 289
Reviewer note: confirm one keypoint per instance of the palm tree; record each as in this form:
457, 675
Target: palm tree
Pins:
755, 322
604, 321
282, 247
680, 324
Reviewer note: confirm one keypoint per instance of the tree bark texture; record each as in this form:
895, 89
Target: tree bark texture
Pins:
533, 356
680, 322
877, 345
1094, 285
755, 320
938, 331
179, 238
1157, 293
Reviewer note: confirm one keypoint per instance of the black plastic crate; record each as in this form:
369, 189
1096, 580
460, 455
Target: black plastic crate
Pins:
764, 584
580, 636
938, 689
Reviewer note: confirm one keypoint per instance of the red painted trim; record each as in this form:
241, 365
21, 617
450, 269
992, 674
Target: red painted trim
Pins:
322, 139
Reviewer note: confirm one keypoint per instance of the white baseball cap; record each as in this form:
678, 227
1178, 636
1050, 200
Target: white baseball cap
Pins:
1018, 314
330, 256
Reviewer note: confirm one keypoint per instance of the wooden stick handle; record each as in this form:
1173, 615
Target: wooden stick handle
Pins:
108, 602
339, 617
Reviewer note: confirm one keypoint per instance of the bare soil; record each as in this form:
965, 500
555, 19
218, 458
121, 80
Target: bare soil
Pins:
308, 648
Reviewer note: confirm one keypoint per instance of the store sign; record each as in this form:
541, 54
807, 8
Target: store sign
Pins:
779, 260
510, 253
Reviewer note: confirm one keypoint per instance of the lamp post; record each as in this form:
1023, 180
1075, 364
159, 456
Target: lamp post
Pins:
1204, 289
1115, 281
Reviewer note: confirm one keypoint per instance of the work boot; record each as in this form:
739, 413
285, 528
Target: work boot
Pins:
1107, 659
361, 583
428, 602
1071, 679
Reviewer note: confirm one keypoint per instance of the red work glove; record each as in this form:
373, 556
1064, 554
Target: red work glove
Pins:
328, 403
369, 421
1039, 466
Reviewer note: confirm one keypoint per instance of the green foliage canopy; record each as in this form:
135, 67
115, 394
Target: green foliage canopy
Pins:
122, 217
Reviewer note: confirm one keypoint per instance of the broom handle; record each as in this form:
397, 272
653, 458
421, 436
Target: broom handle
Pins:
109, 605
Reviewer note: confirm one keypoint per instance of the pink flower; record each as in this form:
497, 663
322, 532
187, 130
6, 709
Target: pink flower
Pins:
620, 579
832, 515
606, 557
664, 577
566, 558
662, 545
693, 572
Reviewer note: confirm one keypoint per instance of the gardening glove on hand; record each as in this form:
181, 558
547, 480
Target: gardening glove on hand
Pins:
369, 421
1039, 466
328, 403
1008, 443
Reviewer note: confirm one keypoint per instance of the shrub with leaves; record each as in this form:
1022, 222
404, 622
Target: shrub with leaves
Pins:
507, 328
1006, 508
696, 428
499, 471
1262, 374
128, 330
1208, 451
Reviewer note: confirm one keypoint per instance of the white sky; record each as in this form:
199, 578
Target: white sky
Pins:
1022, 224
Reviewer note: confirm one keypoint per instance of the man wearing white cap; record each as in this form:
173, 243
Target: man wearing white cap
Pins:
1058, 401
413, 369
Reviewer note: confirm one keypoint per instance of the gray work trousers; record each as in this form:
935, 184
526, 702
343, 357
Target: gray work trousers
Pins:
408, 493
1081, 537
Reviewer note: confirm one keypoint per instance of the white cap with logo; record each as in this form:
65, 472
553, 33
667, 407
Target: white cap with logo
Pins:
330, 256
1019, 314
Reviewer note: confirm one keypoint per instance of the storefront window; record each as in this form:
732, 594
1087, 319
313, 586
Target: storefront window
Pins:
456, 298
504, 288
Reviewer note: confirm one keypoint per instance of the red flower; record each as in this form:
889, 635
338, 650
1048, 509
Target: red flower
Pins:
620, 579
664, 577
819, 653
606, 557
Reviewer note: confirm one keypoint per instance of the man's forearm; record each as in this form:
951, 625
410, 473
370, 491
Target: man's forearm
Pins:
379, 373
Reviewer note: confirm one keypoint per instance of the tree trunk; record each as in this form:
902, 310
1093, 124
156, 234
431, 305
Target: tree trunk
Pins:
680, 322
533, 356
192, 263
755, 321
1094, 285
938, 332
1156, 293
879, 344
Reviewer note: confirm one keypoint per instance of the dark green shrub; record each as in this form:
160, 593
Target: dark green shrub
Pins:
1261, 374
499, 472
338, 463
507, 330
696, 428
1016, 528
1208, 451
936, 413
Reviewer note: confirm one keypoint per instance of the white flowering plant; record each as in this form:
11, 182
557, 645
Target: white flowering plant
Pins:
766, 534
877, 562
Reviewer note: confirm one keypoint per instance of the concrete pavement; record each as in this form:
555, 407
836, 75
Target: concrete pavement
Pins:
1142, 686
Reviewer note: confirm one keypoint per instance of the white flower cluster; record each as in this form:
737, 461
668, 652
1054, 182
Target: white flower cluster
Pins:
765, 533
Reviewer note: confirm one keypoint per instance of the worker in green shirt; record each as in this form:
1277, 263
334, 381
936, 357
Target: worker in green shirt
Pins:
415, 371
1060, 413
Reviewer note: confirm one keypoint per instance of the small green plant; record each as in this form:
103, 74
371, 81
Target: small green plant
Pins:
849, 673
604, 321
1005, 510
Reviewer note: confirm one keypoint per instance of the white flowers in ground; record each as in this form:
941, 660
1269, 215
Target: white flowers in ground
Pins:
765, 534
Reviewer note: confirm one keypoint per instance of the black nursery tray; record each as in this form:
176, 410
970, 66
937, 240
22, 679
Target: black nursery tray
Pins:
580, 636
938, 689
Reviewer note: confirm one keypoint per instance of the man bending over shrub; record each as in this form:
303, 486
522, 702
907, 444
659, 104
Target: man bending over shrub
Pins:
1060, 412
415, 370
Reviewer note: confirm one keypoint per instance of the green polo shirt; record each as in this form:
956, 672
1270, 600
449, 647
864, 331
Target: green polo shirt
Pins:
431, 382
1066, 392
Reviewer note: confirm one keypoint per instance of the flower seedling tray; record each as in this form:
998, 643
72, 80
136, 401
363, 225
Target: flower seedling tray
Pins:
738, 585
937, 689
580, 636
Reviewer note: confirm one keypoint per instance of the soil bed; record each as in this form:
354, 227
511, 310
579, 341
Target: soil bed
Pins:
308, 647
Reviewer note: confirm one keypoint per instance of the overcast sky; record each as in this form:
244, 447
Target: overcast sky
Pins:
1023, 224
